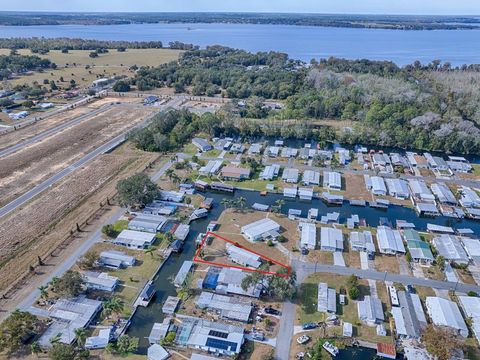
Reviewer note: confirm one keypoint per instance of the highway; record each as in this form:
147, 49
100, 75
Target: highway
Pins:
111, 144
53, 131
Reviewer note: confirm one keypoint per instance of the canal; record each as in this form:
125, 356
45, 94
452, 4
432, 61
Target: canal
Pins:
144, 318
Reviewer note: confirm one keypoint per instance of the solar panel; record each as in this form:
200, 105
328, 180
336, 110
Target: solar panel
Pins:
218, 334
221, 344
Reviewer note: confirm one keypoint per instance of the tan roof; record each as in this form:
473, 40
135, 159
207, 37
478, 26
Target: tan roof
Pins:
233, 171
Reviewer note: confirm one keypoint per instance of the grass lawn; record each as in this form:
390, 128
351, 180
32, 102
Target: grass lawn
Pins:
189, 149
387, 263
423, 291
212, 153
434, 272
120, 225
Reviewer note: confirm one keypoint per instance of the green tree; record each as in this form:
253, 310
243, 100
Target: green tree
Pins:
354, 293
121, 86
241, 201
18, 326
61, 351
113, 306
127, 344
70, 284
80, 337
151, 250
109, 230
137, 190
169, 339
35, 348
43, 291
89, 260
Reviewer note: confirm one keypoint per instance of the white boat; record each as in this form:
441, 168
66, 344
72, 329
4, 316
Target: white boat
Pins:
330, 348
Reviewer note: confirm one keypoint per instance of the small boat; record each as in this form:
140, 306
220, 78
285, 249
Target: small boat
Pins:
330, 348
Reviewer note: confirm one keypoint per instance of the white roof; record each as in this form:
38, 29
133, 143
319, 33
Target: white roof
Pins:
362, 240
450, 248
327, 300
389, 240
290, 174
472, 246
135, 238
443, 193
311, 177
446, 313
260, 227
378, 185
331, 238
243, 257
397, 187
157, 352
309, 235
332, 179
471, 308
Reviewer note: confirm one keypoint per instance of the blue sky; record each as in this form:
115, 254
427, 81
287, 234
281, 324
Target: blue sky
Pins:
440, 7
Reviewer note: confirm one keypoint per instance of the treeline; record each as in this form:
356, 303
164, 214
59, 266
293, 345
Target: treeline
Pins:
14, 63
328, 20
75, 44
234, 73
430, 107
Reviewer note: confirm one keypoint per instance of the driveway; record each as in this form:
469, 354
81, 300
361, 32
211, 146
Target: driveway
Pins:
338, 258
267, 341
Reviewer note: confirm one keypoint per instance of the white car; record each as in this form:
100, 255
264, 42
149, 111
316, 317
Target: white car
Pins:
303, 339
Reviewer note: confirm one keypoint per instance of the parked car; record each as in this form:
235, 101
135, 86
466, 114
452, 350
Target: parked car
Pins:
309, 326
272, 311
303, 339
410, 289
304, 251
258, 335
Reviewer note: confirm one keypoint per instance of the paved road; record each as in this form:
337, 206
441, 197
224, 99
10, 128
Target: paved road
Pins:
108, 146
304, 269
53, 131
285, 331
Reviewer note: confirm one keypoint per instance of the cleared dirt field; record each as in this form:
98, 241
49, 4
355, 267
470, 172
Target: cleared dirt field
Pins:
43, 224
71, 66
22, 170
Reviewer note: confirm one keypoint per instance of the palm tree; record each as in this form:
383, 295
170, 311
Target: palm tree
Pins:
35, 348
56, 339
175, 179
80, 336
150, 250
241, 201
43, 291
225, 202
113, 305
169, 173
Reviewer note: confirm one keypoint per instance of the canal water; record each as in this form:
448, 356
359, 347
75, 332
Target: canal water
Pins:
144, 318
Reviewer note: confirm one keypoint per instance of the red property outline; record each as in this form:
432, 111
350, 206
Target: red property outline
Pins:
198, 260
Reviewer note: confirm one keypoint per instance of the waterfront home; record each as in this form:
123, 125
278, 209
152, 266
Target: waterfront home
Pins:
439, 229
227, 307
370, 310
308, 235
450, 247
147, 223
216, 337
389, 241
100, 281
446, 313
211, 168
311, 177
68, 315
222, 187
419, 249
235, 173
229, 281
427, 209
201, 144
157, 352
331, 239
183, 273
398, 188
362, 241
100, 341
243, 257
270, 172
459, 166
159, 331
332, 180
305, 193
170, 305
332, 198
115, 259
330, 218
290, 192
327, 299
261, 230
471, 309
436, 162
443, 194
409, 316
134, 239
290, 175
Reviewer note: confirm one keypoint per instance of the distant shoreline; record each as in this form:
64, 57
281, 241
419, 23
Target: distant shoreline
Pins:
385, 22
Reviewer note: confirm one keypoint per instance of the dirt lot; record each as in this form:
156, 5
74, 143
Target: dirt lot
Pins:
22, 170
43, 224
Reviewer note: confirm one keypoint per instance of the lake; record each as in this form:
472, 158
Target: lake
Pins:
300, 42
144, 318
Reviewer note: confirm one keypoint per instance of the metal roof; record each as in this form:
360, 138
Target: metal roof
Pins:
326, 299
259, 228
332, 179
134, 238
471, 308
370, 309
389, 241
183, 273
311, 177
308, 235
331, 239
242, 256
444, 312
233, 308
450, 248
